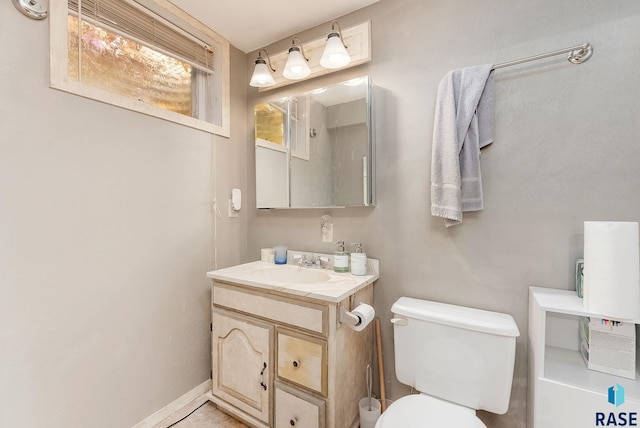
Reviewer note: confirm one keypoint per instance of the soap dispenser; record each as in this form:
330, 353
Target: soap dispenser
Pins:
358, 260
341, 258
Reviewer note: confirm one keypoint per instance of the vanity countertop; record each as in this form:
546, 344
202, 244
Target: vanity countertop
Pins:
336, 288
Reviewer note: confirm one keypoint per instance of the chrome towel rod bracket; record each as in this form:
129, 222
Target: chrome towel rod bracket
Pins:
580, 55
576, 55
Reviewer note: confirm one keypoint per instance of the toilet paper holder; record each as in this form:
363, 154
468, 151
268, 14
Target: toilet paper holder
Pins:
358, 317
346, 317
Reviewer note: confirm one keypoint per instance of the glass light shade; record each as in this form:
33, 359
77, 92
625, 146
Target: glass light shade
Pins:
296, 66
335, 55
261, 76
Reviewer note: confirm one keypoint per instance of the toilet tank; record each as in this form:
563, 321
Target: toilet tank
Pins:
459, 354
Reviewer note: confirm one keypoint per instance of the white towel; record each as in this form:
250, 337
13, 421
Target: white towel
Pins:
463, 125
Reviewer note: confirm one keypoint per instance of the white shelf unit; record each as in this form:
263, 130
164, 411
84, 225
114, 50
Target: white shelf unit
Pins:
562, 391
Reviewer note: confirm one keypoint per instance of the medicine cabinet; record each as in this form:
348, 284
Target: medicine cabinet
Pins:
315, 149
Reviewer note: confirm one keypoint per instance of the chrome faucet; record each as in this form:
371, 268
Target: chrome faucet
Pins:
311, 260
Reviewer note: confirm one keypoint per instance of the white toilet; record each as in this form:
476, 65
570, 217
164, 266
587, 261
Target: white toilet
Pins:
459, 359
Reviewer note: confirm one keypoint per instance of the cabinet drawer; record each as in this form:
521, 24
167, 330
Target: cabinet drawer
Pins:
287, 311
302, 360
294, 409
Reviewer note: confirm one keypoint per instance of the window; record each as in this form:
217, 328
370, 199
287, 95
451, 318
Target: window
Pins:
270, 122
147, 56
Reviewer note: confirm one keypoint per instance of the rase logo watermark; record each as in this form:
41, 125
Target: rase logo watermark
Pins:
615, 396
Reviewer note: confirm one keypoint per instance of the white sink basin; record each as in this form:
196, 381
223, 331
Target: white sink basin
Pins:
291, 274
322, 284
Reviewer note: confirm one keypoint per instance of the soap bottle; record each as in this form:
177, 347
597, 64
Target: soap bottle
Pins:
358, 260
341, 258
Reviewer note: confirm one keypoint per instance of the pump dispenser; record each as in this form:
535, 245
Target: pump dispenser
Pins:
358, 260
340, 258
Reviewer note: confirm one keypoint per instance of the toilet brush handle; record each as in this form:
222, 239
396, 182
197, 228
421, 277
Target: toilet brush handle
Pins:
383, 398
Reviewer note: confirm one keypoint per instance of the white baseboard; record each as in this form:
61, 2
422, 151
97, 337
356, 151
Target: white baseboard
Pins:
185, 404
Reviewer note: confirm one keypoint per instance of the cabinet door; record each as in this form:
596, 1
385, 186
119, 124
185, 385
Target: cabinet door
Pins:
241, 363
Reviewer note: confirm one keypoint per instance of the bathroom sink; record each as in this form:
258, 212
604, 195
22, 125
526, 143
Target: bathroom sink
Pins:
291, 274
323, 284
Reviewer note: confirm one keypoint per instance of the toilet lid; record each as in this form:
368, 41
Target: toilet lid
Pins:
421, 411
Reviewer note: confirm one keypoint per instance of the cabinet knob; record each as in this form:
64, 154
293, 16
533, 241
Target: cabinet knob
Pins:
293, 422
262, 384
296, 363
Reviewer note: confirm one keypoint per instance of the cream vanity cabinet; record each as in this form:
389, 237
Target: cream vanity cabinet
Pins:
281, 359
562, 391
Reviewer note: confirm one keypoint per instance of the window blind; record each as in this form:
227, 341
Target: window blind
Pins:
146, 27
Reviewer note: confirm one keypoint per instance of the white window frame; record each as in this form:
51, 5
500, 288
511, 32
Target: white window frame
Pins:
59, 65
300, 126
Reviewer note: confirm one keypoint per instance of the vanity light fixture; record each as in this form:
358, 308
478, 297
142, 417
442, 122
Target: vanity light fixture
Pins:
262, 77
335, 53
296, 67
317, 57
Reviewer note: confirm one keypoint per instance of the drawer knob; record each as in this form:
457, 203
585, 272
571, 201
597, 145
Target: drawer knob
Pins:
296, 364
293, 422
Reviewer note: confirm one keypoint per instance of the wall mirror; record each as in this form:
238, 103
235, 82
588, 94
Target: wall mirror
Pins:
315, 149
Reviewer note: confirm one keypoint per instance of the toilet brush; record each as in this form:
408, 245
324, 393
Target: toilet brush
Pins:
368, 407
369, 384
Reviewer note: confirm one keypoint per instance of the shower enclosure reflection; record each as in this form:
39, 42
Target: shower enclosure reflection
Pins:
315, 149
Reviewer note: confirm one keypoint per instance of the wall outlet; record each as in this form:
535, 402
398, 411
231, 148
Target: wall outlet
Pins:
326, 228
327, 233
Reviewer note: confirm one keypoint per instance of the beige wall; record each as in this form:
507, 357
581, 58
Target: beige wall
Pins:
106, 234
566, 150
106, 229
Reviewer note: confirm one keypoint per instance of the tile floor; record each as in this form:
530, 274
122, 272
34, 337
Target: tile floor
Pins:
207, 416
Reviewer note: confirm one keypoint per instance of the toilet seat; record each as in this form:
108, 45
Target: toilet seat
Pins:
423, 411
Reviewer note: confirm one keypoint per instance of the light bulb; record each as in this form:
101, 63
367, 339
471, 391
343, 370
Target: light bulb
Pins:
296, 67
261, 74
335, 55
